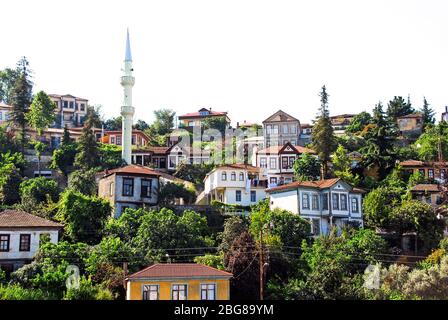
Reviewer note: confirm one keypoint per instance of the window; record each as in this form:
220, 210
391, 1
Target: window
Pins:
291, 162
268, 129
273, 163
273, 180
305, 201
1, 116
4, 242
224, 176
275, 129
65, 104
172, 161
71, 105
285, 129
253, 196
431, 173
133, 139
25, 242
343, 202
151, 292
238, 195
128, 187
233, 176
118, 140
155, 161
146, 188
355, 207
335, 200
241, 176
208, 291
422, 171
315, 226
285, 163
325, 201
292, 128
263, 163
162, 163
179, 292
83, 106
442, 174
315, 202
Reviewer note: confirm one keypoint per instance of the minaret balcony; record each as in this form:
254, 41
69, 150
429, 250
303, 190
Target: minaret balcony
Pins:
127, 80
127, 110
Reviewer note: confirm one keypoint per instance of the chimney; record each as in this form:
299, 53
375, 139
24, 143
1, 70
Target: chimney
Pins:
237, 124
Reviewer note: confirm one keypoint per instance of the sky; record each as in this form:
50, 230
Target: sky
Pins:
247, 57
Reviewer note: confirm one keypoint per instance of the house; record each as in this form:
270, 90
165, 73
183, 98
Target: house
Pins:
341, 122
194, 119
432, 170
21, 235
178, 281
247, 125
281, 128
179, 153
305, 134
4, 113
276, 162
445, 115
432, 194
411, 125
132, 186
324, 203
236, 184
139, 138
70, 110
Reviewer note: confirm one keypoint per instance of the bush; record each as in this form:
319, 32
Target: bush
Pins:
16, 292
87, 291
36, 191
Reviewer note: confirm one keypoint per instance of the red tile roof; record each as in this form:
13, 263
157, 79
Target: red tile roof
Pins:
132, 169
197, 114
413, 115
179, 270
411, 163
320, 184
3, 105
426, 187
242, 166
21, 219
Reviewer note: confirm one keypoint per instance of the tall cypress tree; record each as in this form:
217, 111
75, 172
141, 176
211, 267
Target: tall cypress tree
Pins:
88, 156
398, 107
323, 139
21, 97
428, 113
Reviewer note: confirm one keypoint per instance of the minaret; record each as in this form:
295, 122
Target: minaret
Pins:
127, 110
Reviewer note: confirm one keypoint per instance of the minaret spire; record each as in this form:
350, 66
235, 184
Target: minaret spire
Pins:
127, 110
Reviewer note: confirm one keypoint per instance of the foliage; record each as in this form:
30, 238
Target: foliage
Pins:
307, 167
233, 227
162, 126
87, 291
83, 181
194, 173
359, 122
217, 123
215, 261
64, 157
323, 139
88, 156
110, 156
8, 78
428, 113
84, 217
41, 113
16, 292
342, 166
126, 226
36, 191
379, 204
398, 107
113, 124
10, 180
171, 191
434, 138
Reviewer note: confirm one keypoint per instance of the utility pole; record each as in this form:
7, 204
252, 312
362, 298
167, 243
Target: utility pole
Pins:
261, 265
125, 271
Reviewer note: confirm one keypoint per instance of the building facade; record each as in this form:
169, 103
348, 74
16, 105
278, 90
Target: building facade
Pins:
4, 113
411, 125
341, 122
139, 138
178, 281
21, 235
131, 186
281, 128
432, 170
70, 110
324, 203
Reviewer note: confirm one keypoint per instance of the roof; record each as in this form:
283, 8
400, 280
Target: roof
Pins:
133, 170
278, 149
320, 184
306, 125
280, 116
3, 105
417, 163
197, 114
247, 124
239, 166
58, 96
426, 187
346, 115
154, 150
412, 115
21, 219
179, 270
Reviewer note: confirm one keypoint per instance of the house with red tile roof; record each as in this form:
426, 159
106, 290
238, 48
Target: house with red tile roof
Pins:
276, 162
21, 235
281, 128
193, 119
325, 203
178, 281
132, 186
432, 170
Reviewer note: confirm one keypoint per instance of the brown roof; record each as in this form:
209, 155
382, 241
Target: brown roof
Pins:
416, 163
413, 115
280, 116
211, 113
277, 149
132, 169
320, 184
426, 187
21, 219
179, 270
3, 105
240, 166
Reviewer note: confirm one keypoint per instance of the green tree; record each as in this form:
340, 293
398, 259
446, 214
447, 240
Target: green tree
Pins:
8, 78
141, 125
88, 156
113, 124
34, 192
307, 167
398, 107
64, 157
428, 113
233, 227
323, 139
41, 113
342, 166
359, 122
84, 217
39, 148
169, 192
218, 123
194, 173
83, 181
10, 178
110, 156
434, 139
379, 204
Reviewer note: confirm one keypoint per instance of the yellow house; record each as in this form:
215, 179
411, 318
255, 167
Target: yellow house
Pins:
178, 281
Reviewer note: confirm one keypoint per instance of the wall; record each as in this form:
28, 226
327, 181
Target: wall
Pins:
285, 200
135, 288
230, 196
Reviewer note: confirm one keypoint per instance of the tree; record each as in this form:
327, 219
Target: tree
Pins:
218, 123
126, 226
164, 122
434, 139
84, 217
169, 192
194, 173
8, 78
41, 113
39, 148
110, 156
307, 167
92, 119
21, 97
428, 113
64, 157
141, 125
88, 156
322, 137
359, 122
113, 124
83, 181
342, 166
10, 180
34, 192
398, 107
379, 204
233, 227
378, 152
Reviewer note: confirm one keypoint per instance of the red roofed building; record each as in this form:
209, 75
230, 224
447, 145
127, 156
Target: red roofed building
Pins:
132, 186
276, 162
325, 203
178, 281
21, 235
431, 170
195, 118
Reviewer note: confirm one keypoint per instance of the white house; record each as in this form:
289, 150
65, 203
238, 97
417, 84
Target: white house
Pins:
238, 184
132, 186
325, 202
21, 235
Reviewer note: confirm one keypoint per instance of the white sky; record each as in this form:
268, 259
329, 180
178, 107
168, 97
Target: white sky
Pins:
249, 58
